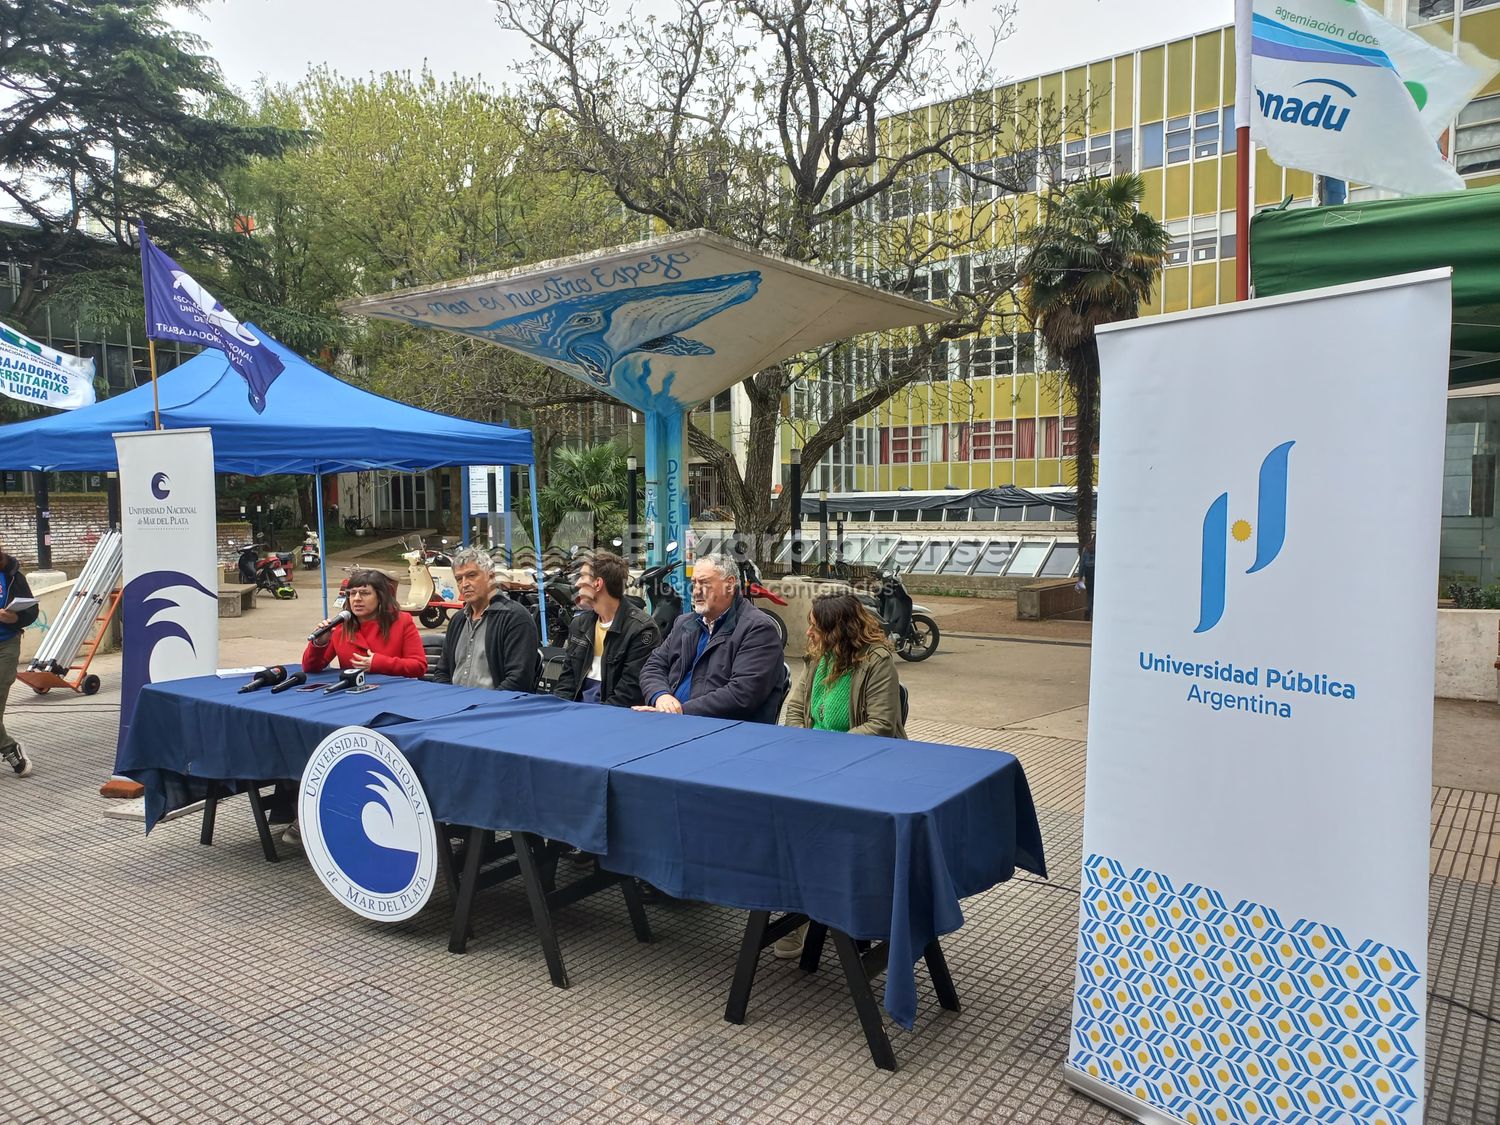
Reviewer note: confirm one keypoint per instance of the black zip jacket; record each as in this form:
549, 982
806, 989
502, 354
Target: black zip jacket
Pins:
510, 646
630, 638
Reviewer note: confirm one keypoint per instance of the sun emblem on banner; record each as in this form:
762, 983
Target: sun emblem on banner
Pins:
1241, 530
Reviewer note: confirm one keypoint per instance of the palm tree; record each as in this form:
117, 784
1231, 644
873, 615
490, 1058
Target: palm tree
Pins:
585, 480
1092, 260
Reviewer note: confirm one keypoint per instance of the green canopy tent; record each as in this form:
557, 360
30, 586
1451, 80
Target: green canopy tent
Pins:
1308, 248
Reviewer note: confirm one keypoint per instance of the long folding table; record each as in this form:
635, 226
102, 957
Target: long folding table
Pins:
873, 840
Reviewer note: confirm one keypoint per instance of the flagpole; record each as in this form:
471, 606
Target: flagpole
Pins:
155, 400
1244, 11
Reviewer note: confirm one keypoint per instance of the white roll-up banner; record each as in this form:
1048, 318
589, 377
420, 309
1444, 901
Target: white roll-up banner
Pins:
1252, 940
170, 605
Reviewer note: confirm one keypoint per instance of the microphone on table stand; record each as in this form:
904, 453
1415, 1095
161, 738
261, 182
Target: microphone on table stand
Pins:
273, 675
290, 682
349, 678
338, 619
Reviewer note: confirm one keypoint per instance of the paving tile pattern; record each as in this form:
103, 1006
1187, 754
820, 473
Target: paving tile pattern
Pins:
149, 979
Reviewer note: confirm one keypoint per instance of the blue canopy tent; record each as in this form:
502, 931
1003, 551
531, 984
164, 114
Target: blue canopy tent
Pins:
312, 423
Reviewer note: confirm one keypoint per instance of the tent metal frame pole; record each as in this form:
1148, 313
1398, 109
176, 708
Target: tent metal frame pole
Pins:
536, 538
322, 540
465, 515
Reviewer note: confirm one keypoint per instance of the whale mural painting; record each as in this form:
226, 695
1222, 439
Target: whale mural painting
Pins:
660, 325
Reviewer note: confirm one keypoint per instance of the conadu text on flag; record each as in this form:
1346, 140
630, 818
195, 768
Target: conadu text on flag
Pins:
1335, 89
1252, 940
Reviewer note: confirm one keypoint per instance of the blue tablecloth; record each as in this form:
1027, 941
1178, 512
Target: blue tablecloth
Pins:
877, 837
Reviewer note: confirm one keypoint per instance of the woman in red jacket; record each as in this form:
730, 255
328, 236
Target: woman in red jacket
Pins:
379, 639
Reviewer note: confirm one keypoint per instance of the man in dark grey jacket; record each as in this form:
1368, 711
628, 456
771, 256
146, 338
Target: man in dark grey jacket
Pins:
493, 642
725, 659
609, 638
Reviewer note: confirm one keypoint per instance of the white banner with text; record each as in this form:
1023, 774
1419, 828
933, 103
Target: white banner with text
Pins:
170, 604
1253, 923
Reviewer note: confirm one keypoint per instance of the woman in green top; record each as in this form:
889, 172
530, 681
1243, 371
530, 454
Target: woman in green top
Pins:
848, 684
849, 680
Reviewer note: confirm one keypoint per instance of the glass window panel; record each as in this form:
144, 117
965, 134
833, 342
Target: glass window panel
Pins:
1152, 147
884, 515
785, 552
932, 556
931, 515
906, 515
983, 513
994, 557
1027, 557
1012, 513
905, 554
1124, 148
876, 549
1061, 561
965, 554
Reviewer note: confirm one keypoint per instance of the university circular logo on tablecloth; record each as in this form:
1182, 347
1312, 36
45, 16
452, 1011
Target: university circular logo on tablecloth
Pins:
366, 825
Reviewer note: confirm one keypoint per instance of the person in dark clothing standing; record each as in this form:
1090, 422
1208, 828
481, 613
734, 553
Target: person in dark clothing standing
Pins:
493, 642
1086, 571
609, 638
13, 585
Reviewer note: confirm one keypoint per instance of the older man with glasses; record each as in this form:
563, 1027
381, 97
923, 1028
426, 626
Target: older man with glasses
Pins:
723, 659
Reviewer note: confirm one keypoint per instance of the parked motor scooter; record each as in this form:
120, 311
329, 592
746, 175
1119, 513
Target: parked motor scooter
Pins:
312, 554
911, 630
431, 591
661, 597
752, 587
268, 573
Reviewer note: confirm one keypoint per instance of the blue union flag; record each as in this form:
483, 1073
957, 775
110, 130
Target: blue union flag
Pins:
178, 308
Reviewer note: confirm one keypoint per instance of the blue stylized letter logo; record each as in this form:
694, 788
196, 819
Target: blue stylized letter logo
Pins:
1270, 515
159, 487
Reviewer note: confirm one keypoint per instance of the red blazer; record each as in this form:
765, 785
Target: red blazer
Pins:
400, 654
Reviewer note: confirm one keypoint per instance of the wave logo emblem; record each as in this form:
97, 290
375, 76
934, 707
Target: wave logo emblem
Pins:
159, 487
367, 826
1269, 532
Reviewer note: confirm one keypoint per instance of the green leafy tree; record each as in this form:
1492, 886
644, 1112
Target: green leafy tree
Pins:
1092, 260
109, 115
592, 480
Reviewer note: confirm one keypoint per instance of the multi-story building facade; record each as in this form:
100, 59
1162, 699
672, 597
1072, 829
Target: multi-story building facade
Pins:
991, 413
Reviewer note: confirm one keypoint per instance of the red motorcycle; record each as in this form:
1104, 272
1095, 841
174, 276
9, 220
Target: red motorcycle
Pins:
752, 587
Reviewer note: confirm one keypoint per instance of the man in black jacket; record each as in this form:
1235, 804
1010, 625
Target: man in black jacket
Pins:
608, 639
13, 585
493, 642
724, 659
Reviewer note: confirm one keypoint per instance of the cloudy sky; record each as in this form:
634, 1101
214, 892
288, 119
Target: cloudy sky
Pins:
281, 39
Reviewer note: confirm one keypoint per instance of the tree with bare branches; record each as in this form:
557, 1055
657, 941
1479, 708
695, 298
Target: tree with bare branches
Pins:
868, 138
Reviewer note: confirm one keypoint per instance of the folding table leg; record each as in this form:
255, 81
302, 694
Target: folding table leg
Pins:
744, 970
445, 860
864, 1001
531, 876
637, 909
262, 826
942, 982
463, 903
812, 947
210, 811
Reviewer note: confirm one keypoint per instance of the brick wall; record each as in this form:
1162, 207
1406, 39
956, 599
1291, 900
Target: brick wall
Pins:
78, 520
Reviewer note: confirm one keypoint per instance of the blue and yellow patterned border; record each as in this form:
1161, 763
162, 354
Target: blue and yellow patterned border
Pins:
1219, 1014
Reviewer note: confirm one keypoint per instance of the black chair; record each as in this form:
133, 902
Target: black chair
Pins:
770, 712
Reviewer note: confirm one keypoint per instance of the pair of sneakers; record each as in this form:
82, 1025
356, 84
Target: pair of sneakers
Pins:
16, 758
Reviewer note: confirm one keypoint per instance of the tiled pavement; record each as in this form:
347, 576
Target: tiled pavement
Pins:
151, 979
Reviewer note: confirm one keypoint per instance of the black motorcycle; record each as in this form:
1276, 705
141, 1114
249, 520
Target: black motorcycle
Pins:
913, 633
269, 573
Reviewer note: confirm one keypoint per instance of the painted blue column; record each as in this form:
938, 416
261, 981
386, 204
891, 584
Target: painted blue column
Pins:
666, 491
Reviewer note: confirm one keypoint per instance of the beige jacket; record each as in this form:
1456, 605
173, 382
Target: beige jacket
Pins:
874, 695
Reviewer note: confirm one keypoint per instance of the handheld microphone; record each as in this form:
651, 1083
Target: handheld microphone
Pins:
338, 619
348, 678
273, 675
290, 682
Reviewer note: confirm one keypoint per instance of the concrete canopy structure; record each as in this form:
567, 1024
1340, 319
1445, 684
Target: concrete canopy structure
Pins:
660, 325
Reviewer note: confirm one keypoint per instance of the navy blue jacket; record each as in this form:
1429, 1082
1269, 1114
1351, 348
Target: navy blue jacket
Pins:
13, 585
740, 675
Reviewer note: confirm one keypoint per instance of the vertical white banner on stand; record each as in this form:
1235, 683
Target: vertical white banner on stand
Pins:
170, 605
1253, 925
